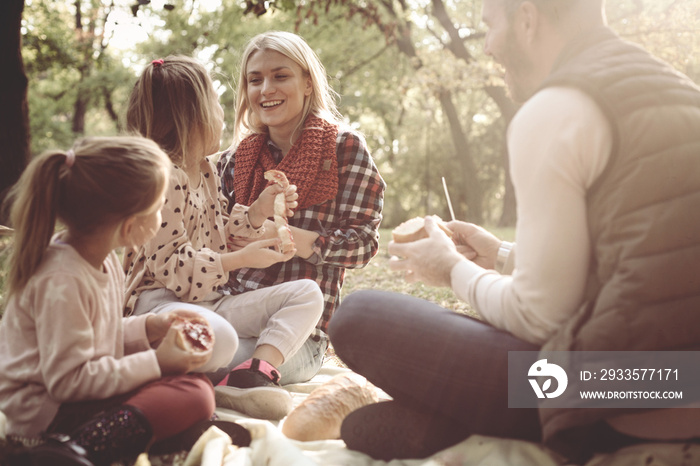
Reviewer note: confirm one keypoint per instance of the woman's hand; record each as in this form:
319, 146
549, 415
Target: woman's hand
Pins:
263, 207
174, 360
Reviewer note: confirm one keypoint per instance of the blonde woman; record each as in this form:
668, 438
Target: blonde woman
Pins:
286, 119
183, 267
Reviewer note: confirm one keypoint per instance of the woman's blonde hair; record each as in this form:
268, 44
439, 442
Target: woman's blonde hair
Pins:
99, 182
321, 102
171, 98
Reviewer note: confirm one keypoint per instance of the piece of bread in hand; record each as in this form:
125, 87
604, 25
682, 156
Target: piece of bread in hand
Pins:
414, 229
320, 415
193, 336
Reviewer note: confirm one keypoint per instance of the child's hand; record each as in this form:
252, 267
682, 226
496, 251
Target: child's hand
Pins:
157, 325
257, 255
263, 207
174, 360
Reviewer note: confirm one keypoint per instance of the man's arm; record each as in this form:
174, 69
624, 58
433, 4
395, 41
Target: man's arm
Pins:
559, 143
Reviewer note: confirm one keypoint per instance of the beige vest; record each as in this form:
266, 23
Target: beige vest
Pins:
643, 289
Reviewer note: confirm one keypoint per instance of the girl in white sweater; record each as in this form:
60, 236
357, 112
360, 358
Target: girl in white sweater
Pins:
69, 362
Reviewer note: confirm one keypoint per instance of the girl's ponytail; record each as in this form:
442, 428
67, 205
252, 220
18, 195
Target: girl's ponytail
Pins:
97, 184
33, 215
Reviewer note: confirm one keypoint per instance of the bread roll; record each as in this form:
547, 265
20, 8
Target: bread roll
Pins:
320, 415
193, 336
280, 210
414, 229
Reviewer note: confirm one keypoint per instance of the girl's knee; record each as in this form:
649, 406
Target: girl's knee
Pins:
174, 403
225, 342
200, 401
311, 288
313, 296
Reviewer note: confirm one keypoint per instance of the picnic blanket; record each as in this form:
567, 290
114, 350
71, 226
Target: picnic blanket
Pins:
271, 448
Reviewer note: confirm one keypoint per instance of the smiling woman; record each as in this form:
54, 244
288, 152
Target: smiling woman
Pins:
277, 90
286, 120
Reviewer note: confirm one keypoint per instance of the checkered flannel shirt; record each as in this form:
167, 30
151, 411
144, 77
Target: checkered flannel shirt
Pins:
347, 227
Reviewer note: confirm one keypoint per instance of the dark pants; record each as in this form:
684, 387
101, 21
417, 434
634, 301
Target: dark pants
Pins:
171, 405
434, 360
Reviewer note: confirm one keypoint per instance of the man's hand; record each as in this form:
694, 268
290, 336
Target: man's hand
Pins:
475, 243
429, 260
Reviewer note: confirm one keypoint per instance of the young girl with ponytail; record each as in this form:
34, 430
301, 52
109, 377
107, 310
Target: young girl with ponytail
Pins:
184, 266
69, 362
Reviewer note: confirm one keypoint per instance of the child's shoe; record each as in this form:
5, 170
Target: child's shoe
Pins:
253, 388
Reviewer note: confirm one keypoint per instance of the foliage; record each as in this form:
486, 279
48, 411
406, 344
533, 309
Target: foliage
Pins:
395, 64
75, 85
668, 28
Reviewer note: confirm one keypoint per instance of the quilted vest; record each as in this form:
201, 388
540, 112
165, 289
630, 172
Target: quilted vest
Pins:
643, 287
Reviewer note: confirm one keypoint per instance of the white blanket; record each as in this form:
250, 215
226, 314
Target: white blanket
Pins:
271, 448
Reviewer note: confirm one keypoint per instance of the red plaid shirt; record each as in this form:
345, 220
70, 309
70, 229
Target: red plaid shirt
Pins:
347, 227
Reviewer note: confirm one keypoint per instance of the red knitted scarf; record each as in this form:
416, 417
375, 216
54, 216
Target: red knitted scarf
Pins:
311, 164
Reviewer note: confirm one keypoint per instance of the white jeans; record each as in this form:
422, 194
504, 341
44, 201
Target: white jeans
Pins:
282, 316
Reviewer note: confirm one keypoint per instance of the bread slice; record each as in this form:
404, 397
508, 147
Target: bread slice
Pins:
414, 229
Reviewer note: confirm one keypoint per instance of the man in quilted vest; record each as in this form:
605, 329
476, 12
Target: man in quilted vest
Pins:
605, 161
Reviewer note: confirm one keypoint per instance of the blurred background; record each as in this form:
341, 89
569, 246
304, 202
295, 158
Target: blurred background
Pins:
411, 74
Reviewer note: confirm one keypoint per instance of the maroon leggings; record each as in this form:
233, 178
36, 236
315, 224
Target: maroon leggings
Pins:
171, 405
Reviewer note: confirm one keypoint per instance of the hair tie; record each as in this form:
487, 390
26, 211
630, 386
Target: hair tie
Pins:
157, 62
70, 158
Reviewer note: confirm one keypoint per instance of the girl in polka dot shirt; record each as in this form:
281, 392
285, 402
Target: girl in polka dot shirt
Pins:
183, 267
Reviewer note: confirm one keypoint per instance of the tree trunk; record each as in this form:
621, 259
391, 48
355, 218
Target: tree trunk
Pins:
79, 111
14, 113
509, 214
471, 194
508, 108
499, 96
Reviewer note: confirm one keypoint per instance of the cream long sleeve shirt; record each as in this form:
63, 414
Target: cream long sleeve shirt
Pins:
559, 143
63, 339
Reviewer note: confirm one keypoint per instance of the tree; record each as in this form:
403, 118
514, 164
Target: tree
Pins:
412, 76
14, 117
394, 20
76, 85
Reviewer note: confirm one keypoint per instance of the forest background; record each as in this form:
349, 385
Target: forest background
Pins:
411, 74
